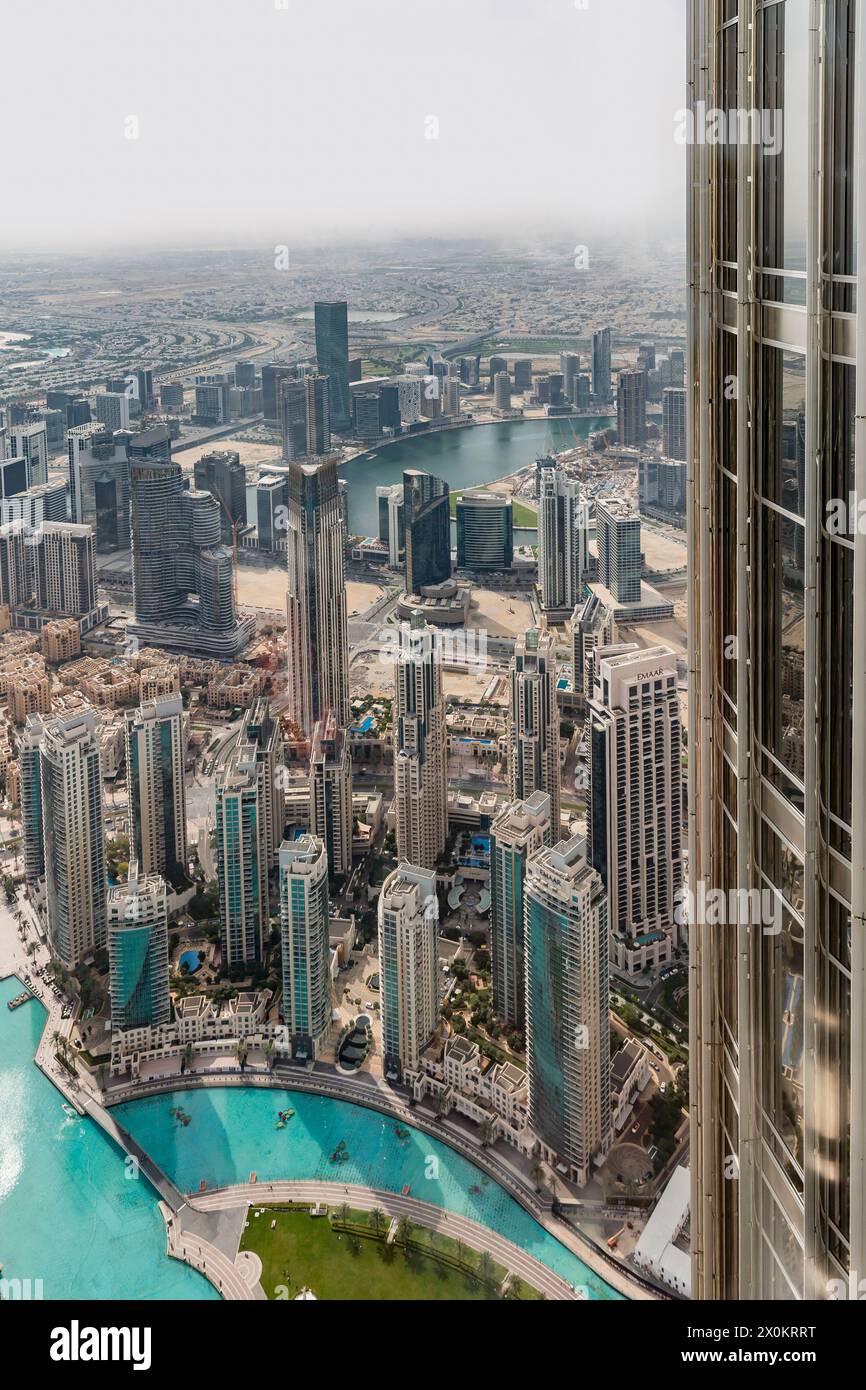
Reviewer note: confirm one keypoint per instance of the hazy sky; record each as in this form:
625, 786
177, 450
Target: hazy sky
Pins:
297, 120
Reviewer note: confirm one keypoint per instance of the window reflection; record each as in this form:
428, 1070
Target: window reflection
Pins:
780, 648
784, 66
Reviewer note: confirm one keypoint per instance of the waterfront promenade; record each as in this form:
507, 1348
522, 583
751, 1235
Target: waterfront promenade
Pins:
367, 1091
192, 1237
434, 1218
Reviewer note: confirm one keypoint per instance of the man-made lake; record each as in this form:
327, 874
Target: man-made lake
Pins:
465, 458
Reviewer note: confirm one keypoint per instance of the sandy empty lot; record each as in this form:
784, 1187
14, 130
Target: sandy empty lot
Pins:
371, 674
252, 456
669, 634
663, 550
500, 614
262, 588
360, 594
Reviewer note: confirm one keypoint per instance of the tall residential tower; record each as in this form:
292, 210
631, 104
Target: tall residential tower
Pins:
420, 745
318, 658
533, 722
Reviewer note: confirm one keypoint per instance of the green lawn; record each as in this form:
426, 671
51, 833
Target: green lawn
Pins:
304, 1251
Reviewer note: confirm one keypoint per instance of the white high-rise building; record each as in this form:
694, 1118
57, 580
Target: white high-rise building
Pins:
331, 793
635, 828
31, 443
16, 564
533, 722
307, 994
318, 660
155, 755
420, 745
390, 504
409, 398
74, 836
112, 410
99, 492
563, 538
619, 551
260, 744
408, 917
518, 832
592, 626
567, 1024
241, 861
64, 568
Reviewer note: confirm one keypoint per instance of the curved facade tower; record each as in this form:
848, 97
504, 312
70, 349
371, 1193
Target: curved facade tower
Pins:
777, 711
182, 574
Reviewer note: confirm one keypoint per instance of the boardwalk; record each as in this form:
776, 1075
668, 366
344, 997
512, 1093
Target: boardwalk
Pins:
478, 1237
171, 1195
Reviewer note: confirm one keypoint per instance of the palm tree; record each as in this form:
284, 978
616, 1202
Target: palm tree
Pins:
536, 1170
442, 1104
241, 1052
269, 1051
485, 1133
377, 1219
515, 1288
101, 1075
187, 1057
405, 1229
485, 1268
343, 1213
461, 1252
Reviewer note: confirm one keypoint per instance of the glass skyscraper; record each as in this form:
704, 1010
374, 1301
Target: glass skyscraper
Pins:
517, 832
568, 1032
138, 952
70, 767
155, 751
305, 952
427, 523
601, 388
777, 709
420, 744
332, 355
485, 532
317, 637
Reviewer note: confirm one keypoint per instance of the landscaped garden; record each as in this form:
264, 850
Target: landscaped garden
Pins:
346, 1255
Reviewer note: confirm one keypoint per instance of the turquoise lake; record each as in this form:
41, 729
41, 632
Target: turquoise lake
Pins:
69, 1217
464, 458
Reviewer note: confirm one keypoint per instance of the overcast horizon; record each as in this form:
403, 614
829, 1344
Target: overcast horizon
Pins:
339, 121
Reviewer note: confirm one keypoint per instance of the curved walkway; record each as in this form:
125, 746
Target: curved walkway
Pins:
238, 1279
473, 1234
382, 1098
